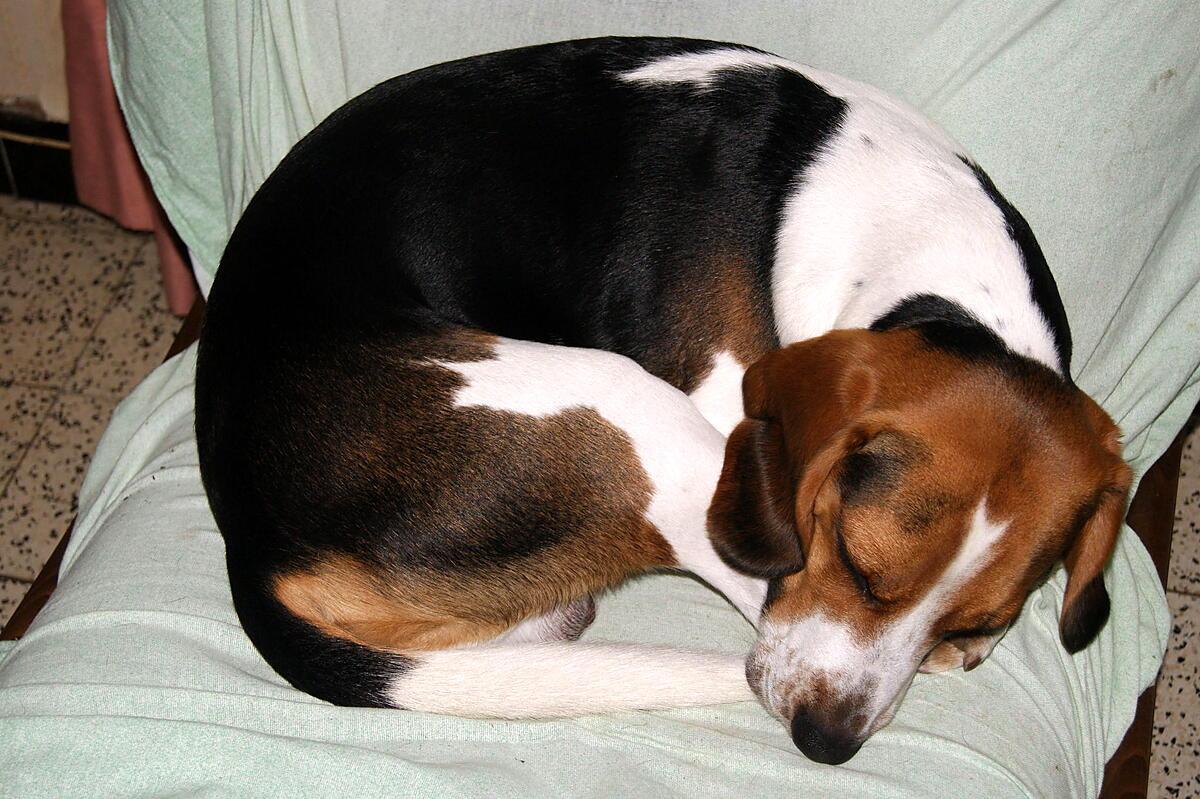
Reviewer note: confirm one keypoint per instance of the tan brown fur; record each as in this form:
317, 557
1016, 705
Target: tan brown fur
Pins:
345, 599
422, 610
1038, 448
726, 312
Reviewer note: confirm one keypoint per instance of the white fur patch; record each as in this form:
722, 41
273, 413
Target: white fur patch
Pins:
885, 211
702, 68
680, 451
921, 224
518, 676
554, 625
815, 644
559, 680
719, 395
975, 551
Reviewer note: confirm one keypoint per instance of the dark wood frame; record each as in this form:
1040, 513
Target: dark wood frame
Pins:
1151, 515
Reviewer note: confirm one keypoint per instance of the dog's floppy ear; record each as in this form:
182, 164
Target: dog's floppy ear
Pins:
750, 520
1085, 603
797, 400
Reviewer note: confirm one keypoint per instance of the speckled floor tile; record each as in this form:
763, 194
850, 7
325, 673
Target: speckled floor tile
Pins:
57, 278
11, 593
41, 499
1175, 756
132, 336
1185, 543
21, 411
35, 211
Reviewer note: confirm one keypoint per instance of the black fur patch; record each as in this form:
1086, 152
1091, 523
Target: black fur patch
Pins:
915, 513
333, 669
870, 473
866, 477
1043, 289
947, 325
774, 591
1082, 621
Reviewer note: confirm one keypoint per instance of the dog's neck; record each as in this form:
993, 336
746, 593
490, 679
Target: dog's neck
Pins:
892, 209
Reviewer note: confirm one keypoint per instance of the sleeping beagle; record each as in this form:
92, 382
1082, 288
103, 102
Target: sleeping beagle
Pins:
501, 333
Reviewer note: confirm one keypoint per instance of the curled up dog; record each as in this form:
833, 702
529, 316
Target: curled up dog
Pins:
502, 333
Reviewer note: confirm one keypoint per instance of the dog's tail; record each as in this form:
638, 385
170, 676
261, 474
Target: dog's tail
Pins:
535, 680
565, 679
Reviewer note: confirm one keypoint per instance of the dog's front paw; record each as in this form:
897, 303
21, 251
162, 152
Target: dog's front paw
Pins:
944, 657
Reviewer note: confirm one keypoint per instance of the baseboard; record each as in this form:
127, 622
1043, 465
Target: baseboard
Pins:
35, 158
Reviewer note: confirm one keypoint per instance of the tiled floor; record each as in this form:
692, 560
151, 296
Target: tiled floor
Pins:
82, 320
1175, 762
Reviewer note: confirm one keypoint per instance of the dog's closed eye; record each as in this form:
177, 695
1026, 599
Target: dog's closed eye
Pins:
861, 580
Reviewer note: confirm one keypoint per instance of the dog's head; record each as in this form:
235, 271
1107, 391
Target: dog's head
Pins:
903, 498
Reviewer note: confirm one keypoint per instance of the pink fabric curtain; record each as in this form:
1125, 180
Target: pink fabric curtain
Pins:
108, 177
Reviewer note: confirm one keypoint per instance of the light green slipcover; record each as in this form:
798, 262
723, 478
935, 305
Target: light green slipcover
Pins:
136, 680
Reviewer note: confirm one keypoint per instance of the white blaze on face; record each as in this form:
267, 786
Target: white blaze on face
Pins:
793, 655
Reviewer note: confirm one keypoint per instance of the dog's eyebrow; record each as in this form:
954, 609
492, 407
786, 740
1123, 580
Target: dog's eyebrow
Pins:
871, 474
868, 476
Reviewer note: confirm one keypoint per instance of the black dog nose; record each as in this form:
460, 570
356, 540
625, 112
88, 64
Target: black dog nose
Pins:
821, 745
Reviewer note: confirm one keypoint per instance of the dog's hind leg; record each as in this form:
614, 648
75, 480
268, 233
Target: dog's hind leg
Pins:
495, 485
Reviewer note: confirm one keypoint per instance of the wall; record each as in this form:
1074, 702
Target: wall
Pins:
31, 55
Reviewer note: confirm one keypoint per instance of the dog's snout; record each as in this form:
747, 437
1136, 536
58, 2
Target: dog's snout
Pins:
820, 743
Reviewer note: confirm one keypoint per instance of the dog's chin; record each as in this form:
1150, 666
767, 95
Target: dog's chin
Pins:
754, 673
756, 678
